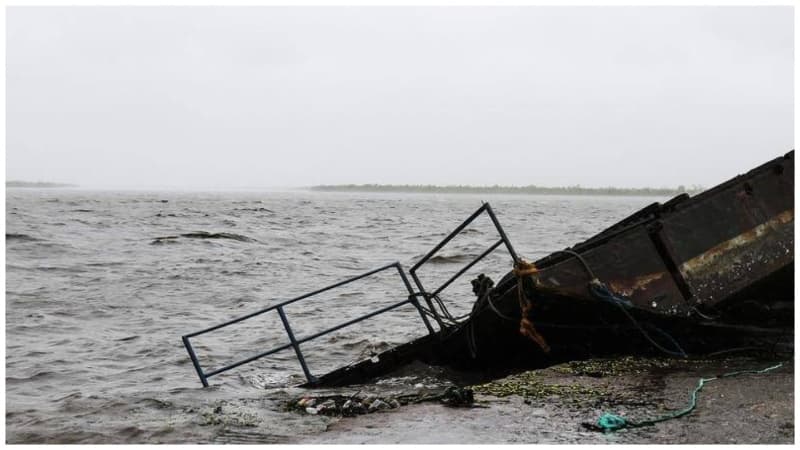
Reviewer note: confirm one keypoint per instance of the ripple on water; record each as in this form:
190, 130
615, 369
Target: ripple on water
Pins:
94, 315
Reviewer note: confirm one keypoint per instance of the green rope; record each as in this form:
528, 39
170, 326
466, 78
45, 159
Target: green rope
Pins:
612, 422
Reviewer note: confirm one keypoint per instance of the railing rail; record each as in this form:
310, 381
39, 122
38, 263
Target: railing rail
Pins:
485, 207
293, 341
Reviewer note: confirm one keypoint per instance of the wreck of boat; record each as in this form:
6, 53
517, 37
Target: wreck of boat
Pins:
695, 275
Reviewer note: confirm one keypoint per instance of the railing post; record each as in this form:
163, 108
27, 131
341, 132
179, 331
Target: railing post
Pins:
428, 301
502, 233
196, 363
503, 240
296, 346
413, 299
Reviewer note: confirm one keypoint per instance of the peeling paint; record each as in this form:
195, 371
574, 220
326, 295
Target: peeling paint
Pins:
642, 282
706, 259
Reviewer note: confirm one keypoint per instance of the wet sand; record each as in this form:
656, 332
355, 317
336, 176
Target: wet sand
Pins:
747, 409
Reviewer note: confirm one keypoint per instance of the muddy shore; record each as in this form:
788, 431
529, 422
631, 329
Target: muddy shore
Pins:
550, 405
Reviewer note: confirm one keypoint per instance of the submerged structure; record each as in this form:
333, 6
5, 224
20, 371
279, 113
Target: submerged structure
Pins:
695, 275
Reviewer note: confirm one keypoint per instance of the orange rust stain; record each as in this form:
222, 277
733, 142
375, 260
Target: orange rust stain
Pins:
706, 258
627, 287
524, 269
526, 328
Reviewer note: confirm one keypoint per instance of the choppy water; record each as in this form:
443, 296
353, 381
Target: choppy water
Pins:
96, 304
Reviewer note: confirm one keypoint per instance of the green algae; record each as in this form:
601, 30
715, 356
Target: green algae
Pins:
601, 368
531, 386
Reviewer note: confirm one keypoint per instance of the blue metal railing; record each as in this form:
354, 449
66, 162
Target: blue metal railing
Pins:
295, 342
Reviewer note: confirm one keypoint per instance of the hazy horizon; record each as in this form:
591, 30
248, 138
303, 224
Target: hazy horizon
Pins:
100, 187
293, 97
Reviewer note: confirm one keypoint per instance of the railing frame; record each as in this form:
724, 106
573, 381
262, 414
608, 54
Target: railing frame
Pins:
293, 341
485, 207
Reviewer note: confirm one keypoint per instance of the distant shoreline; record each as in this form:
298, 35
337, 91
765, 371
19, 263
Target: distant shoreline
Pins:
37, 184
567, 190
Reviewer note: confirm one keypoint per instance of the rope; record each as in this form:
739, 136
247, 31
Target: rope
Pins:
580, 258
445, 315
524, 269
704, 316
496, 311
483, 290
596, 288
612, 422
600, 291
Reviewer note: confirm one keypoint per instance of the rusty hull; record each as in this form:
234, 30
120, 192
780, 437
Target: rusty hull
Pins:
694, 267
692, 252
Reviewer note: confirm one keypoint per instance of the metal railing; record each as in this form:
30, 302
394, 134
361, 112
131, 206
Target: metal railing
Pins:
295, 342
485, 207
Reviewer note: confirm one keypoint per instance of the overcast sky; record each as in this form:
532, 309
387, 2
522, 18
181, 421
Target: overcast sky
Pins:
228, 97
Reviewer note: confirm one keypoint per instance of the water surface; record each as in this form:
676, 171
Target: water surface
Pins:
96, 302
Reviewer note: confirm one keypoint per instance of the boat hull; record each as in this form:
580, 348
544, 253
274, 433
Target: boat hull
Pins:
698, 274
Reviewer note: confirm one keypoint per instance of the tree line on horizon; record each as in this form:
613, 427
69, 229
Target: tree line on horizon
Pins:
37, 184
530, 189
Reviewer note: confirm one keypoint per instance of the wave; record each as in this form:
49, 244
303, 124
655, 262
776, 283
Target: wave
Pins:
20, 237
33, 377
255, 210
201, 235
449, 259
471, 231
165, 240
207, 235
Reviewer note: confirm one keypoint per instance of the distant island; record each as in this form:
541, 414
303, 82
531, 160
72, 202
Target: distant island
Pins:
37, 184
531, 189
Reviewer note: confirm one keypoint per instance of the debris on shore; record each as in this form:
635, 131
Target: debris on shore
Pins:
358, 404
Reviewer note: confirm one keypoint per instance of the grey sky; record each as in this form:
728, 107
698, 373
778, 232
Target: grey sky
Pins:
274, 96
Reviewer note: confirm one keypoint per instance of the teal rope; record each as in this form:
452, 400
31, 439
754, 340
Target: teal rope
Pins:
601, 291
612, 422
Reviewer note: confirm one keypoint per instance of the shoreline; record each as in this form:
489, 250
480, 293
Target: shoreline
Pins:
506, 190
751, 409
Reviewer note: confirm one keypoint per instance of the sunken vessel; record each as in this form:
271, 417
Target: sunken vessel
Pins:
696, 275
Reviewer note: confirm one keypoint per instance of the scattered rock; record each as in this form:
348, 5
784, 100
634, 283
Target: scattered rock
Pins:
306, 402
353, 408
353, 405
328, 406
378, 405
368, 400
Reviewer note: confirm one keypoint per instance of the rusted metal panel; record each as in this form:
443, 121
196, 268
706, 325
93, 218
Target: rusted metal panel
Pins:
736, 234
629, 263
697, 250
